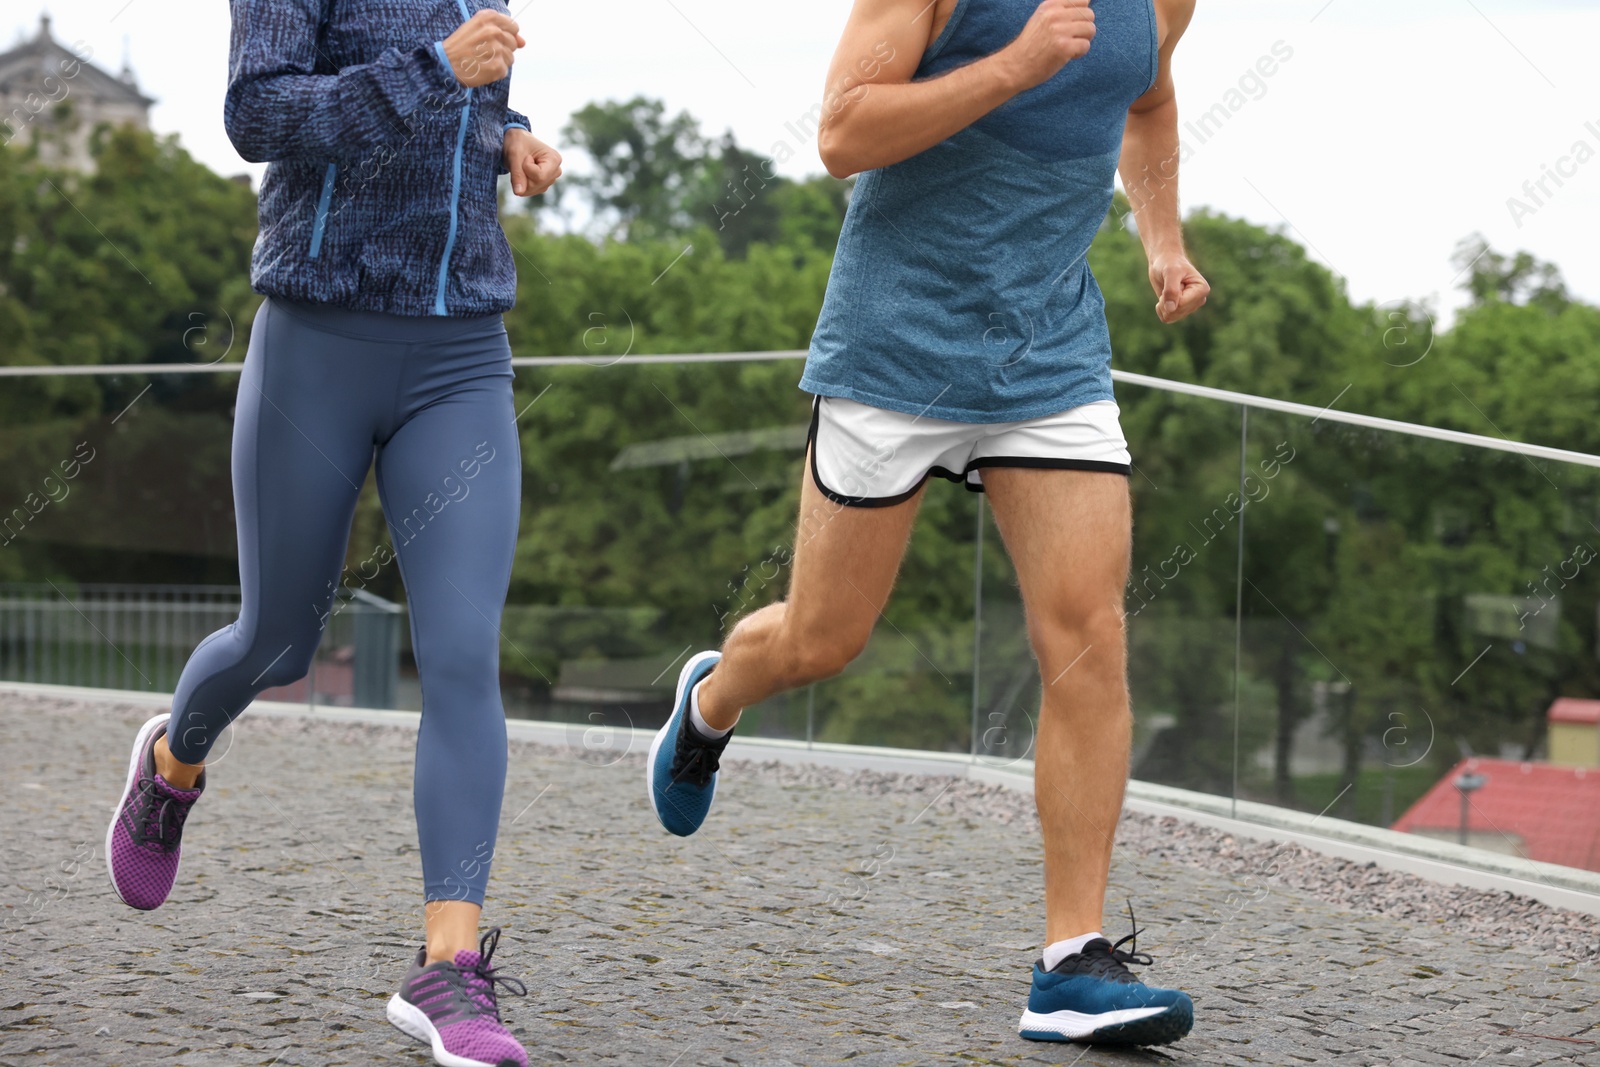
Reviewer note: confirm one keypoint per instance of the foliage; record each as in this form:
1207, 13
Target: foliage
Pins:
658, 178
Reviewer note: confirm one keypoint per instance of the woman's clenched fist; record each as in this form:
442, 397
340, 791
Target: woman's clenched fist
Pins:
482, 48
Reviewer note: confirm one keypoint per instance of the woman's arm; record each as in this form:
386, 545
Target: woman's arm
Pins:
515, 120
277, 109
533, 165
874, 115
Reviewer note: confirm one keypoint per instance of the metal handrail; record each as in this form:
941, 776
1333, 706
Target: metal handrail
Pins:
1248, 400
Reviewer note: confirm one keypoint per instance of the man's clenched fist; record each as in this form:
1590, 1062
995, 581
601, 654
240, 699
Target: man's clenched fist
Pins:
1058, 32
482, 48
1180, 288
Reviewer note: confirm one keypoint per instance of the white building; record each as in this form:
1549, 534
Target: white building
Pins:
53, 98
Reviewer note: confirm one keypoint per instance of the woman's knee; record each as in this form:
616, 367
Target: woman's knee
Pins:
463, 658
281, 662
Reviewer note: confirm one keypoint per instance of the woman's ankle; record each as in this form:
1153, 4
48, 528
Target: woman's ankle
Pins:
177, 774
452, 926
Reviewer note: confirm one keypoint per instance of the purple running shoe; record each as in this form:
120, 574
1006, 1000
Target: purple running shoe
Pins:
142, 843
452, 1006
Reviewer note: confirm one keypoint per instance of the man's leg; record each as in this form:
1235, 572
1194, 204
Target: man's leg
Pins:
1068, 535
845, 562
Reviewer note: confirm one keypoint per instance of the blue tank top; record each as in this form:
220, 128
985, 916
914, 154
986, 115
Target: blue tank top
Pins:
961, 288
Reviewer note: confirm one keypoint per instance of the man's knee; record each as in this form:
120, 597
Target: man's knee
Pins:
823, 654
1070, 638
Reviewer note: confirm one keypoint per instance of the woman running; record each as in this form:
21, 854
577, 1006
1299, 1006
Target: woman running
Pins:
386, 273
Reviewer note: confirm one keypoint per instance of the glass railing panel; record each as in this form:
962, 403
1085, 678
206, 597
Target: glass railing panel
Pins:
1181, 588
116, 532
660, 507
1408, 604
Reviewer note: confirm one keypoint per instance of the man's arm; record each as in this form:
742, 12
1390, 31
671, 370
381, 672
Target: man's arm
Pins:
1149, 168
874, 115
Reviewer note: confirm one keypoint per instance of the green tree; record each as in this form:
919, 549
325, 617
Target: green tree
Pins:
1515, 279
656, 177
647, 167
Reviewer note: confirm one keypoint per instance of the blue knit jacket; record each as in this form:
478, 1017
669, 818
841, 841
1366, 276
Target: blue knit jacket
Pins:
382, 194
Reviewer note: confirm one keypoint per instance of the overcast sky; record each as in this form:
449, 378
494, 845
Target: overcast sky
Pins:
1390, 133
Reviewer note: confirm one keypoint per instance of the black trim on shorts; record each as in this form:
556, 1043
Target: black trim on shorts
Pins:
840, 498
1051, 464
1024, 462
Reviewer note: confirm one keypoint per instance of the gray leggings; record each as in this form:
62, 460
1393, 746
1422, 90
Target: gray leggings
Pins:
326, 392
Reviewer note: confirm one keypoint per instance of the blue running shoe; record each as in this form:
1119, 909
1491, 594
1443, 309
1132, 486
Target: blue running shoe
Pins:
1092, 997
682, 772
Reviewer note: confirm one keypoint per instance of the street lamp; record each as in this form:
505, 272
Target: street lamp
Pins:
1467, 783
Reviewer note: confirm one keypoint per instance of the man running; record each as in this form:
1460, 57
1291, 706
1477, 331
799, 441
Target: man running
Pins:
963, 335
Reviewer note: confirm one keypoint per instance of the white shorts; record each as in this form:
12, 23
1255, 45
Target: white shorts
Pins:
867, 457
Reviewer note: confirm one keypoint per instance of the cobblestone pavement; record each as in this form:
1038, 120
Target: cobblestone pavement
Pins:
805, 925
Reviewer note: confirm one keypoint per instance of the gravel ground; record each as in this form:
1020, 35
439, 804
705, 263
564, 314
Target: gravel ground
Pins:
1503, 916
820, 917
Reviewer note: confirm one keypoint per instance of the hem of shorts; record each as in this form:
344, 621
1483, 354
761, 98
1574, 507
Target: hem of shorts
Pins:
1055, 463
840, 498
418, 307
1046, 463
970, 416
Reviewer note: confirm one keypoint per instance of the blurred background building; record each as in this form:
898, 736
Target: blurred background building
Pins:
52, 96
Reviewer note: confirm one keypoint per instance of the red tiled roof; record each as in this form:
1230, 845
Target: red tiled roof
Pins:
1555, 811
1571, 709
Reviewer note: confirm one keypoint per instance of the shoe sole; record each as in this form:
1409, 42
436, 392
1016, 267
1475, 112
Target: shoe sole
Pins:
1129, 1026
679, 702
139, 743
414, 1022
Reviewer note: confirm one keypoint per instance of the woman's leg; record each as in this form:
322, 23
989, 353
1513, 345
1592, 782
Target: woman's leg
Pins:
302, 443
303, 438
450, 479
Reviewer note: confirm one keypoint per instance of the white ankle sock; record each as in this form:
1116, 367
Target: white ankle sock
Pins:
1057, 951
706, 730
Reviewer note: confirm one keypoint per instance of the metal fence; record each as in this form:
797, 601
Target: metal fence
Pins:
129, 636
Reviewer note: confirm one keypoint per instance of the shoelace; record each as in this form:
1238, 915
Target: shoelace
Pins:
1106, 960
695, 761
484, 995
158, 820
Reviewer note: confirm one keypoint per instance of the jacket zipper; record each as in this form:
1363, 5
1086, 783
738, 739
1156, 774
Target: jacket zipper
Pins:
455, 201
455, 192
322, 209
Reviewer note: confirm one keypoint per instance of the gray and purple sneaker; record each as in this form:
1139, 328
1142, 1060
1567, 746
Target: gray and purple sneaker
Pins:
142, 843
452, 1006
